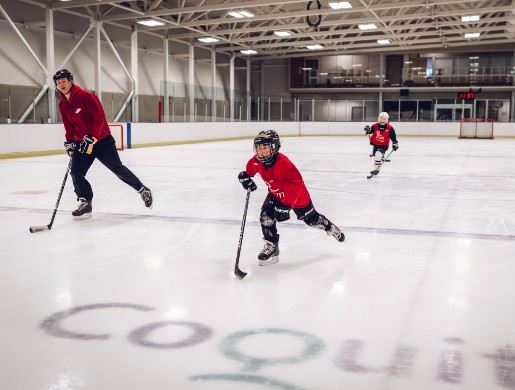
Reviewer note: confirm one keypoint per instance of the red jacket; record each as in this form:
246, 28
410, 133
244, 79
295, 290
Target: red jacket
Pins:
83, 115
283, 180
381, 138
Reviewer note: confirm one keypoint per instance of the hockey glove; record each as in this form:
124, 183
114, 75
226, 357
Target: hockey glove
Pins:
395, 146
281, 213
70, 147
367, 129
246, 181
86, 146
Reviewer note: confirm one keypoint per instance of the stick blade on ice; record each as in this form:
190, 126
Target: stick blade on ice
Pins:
37, 229
239, 273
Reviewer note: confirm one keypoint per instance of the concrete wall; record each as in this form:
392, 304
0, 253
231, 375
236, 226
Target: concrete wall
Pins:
41, 139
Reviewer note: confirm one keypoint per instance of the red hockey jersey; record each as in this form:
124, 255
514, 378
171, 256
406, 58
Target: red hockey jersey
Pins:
283, 180
83, 115
380, 138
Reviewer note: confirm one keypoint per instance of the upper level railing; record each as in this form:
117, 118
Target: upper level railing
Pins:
409, 77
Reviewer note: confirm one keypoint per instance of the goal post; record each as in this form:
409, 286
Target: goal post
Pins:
477, 128
118, 131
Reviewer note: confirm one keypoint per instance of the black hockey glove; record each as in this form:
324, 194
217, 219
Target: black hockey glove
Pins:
246, 181
70, 147
367, 129
395, 146
86, 146
281, 213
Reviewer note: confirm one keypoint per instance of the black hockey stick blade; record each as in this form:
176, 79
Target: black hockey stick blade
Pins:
37, 229
239, 273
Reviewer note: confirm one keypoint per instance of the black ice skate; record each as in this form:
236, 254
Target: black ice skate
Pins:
336, 233
269, 254
83, 210
146, 196
373, 173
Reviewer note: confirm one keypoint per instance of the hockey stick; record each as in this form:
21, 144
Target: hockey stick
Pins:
237, 271
379, 168
43, 228
388, 155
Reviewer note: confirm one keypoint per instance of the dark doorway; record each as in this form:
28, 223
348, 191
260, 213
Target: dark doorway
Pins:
394, 69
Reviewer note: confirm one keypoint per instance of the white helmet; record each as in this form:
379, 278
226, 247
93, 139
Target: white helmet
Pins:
383, 118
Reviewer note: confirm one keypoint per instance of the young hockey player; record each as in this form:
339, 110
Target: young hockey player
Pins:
88, 137
286, 191
381, 134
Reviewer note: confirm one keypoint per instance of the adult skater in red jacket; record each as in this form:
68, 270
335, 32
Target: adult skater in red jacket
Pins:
381, 134
286, 191
88, 137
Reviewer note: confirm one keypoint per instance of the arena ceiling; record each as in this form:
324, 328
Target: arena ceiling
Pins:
358, 26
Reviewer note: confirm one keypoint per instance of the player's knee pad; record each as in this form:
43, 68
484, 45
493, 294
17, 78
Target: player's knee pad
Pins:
317, 221
378, 158
308, 215
265, 219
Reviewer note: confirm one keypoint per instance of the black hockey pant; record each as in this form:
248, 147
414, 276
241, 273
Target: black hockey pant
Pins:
381, 148
307, 214
105, 151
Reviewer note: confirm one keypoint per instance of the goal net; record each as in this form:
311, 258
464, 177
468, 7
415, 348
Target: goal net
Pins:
117, 131
477, 128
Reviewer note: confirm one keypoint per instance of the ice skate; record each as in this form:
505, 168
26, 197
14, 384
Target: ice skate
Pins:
269, 254
83, 210
336, 233
146, 196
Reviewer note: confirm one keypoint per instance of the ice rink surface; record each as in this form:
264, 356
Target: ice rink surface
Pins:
421, 295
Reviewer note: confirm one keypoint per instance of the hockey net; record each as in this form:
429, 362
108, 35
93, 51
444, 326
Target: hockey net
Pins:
477, 128
117, 131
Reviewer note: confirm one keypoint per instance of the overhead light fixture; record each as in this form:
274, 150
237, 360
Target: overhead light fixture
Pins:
474, 64
356, 65
370, 26
340, 5
248, 52
151, 22
474, 58
408, 62
209, 40
306, 68
472, 35
470, 18
247, 14
241, 14
323, 74
383, 41
314, 47
283, 33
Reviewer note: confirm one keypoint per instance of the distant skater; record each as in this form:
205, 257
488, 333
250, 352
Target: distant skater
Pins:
381, 133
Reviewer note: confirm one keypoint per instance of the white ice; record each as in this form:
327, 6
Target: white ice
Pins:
419, 296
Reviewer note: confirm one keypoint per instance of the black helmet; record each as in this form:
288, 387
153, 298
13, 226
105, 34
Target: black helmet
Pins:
268, 137
63, 74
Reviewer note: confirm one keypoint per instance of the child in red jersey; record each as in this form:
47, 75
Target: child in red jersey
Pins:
381, 134
286, 191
